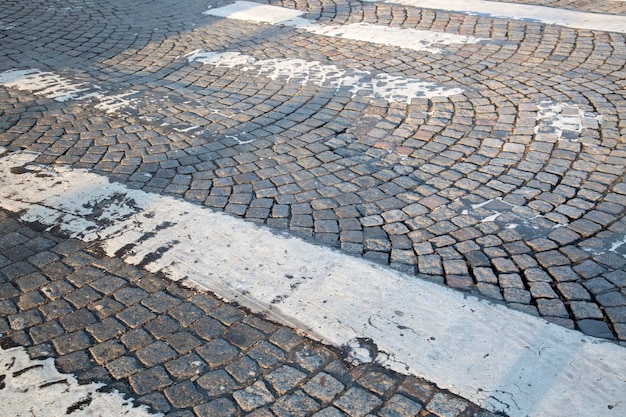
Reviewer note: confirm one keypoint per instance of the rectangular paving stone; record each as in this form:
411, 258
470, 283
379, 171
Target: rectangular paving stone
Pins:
183, 395
56, 290
30, 281
106, 329
154, 379
162, 326
82, 297
8, 290
71, 342
136, 339
85, 275
130, 295
74, 362
107, 351
357, 401
217, 383
18, 269
253, 397
24, 319
217, 352
186, 367
266, 355
227, 314
243, 336
160, 302
183, 342
186, 314
78, 319
135, 316
155, 353
296, 404
585, 310
108, 284
45, 332
208, 328
123, 367
284, 379
30, 300
399, 405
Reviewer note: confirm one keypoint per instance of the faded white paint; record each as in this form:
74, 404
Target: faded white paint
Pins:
46, 84
114, 102
541, 14
59, 88
256, 12
559, 117
388, 87
417, 40
501, 359
34, 388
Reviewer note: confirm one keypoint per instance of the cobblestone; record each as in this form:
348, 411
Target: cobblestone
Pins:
418, 191
247, 366
513, 189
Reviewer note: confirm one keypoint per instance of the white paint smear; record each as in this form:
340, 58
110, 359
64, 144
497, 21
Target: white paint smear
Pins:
34, 388
46, 84
501, 359
560, 117
417, 40
541, 14
62, 89
112, 103
388, 87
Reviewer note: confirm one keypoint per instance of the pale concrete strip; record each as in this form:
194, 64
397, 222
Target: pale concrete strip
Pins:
389, 87
501, 359
418, 40
34, 388
540, 14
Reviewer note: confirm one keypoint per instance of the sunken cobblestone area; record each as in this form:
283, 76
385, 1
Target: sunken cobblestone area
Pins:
182, 352
513, 189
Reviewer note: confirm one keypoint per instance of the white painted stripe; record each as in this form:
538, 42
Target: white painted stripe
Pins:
501, 359
541, 14
34, 388
59, 88
255, 12
418, 40
385, 86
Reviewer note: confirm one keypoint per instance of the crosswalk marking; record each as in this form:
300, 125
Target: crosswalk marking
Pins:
34, 388
417, 40
501, 359
516, 11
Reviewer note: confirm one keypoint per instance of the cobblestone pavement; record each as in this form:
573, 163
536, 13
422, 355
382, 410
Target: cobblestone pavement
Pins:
510, 186
513, 188
609, 7
178, 351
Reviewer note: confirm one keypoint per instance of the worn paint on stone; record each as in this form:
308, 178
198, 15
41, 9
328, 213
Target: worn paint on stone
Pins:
385, 86
62, 89
531, 13
417, 40
34, 388
501, 359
